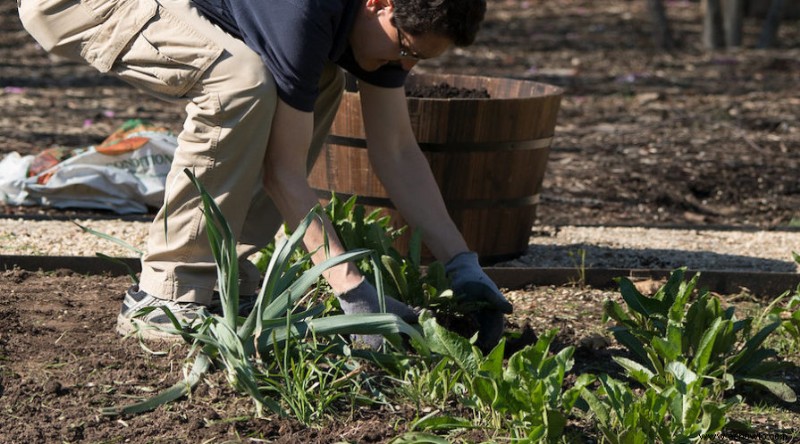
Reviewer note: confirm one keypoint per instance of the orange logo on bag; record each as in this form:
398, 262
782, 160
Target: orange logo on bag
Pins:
123, 146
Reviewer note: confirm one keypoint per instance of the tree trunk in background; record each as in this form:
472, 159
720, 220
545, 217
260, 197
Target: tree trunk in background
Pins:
773, 20
662, 35
732, 14
713, 36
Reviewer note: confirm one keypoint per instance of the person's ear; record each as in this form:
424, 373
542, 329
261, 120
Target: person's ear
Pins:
377, 5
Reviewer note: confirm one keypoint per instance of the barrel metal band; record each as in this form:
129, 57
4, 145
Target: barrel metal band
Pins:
459, 147
464, 204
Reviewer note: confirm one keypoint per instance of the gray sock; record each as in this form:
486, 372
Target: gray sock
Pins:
364, 299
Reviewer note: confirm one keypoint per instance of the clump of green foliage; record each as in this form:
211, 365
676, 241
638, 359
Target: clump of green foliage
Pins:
276, 348
404, 276
523, 397
701, 335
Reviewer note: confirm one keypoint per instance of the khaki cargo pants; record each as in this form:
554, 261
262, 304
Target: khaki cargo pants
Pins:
168, 49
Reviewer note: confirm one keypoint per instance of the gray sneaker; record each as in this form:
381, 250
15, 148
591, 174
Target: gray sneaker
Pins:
150, 325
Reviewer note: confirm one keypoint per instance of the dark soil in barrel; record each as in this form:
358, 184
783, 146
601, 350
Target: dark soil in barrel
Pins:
446, 91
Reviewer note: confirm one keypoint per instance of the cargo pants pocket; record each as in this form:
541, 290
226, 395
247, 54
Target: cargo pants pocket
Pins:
166, 57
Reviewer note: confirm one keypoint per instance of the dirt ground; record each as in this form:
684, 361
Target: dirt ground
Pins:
644, 138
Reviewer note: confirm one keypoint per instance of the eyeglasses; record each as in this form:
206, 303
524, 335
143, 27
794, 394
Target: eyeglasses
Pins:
405, 51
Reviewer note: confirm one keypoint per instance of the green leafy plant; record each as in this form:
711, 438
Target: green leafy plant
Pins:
405, 278
246, 347
707, 339
524, 396
683, 412
788, 315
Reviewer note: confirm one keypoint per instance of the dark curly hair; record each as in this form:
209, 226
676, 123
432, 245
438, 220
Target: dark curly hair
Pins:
458, 20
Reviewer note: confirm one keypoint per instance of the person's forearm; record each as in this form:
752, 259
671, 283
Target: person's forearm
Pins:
404, 171
411, 186
285, 182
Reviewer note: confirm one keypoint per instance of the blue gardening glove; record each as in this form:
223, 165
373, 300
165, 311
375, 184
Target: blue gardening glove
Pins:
363, 298
472, 286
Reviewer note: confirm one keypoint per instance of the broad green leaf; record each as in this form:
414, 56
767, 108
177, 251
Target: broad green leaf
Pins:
639, 302
756, 360
449, 344
571, 395
597, 407
617, 394
556, 421
751, 346
695, 325
485, 389
706, 345
779, 389
666, 350
396, 273
493, 362
635, 370
682, 374
675, 280
714, 417
631, 342
611, 309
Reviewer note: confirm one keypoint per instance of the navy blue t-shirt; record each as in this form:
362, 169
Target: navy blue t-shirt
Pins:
295, 38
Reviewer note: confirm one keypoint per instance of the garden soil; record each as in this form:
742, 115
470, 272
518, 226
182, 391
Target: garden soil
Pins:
688, 138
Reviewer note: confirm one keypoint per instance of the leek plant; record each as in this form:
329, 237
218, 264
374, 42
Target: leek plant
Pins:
248, 348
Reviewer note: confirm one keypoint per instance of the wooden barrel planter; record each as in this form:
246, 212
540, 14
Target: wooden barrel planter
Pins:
488, 156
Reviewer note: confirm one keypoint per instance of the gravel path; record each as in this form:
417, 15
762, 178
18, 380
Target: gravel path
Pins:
562, 246
661, 248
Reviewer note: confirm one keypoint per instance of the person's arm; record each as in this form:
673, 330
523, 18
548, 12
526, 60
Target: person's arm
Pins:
286, 183
403, 170
405, 173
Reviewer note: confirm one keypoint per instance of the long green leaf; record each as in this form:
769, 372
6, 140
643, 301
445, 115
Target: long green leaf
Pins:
631, 342
128, 269
640, 373
200, 367
384, 324
706, 345
418, 438
110, 238
751, 346
639, 302
451, 345
435, 421
597, 407
301, 285
777, 388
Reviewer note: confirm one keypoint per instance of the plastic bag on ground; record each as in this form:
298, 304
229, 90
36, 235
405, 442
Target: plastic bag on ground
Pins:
124, 174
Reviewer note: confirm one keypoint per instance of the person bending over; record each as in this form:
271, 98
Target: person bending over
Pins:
261, 82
